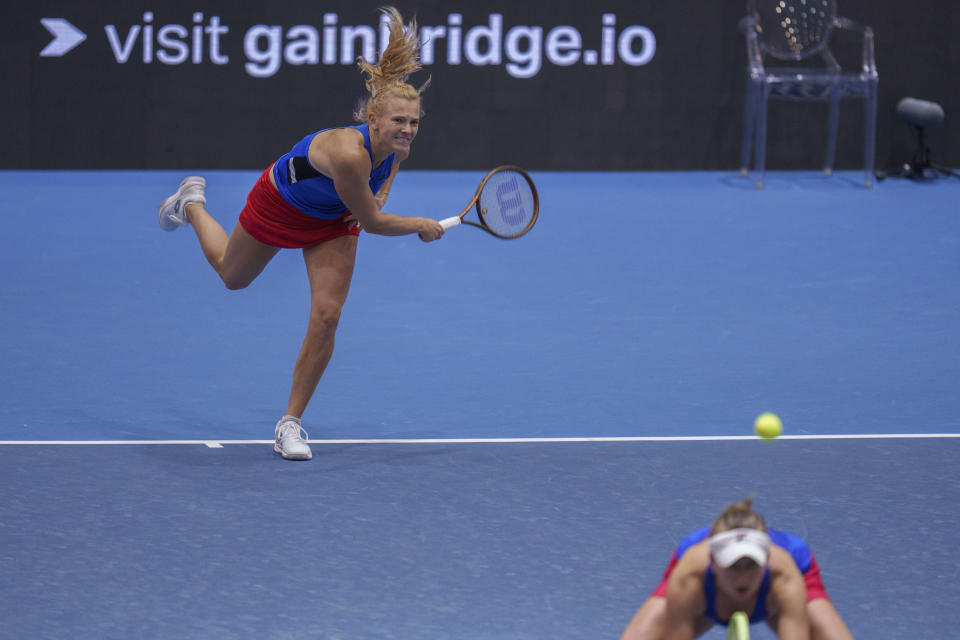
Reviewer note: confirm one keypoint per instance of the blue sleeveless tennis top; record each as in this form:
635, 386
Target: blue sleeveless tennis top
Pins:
312, 192
798, 549
792, 543
710, 593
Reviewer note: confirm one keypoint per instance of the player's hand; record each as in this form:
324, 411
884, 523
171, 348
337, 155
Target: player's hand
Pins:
430, 230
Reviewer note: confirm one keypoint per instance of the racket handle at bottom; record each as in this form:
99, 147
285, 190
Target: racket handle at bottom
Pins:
738, 627
446, 223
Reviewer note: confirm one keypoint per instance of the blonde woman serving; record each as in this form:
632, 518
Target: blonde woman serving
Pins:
318, 197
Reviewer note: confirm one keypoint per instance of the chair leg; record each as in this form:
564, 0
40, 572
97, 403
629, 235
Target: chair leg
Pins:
749, 123
870, 133
832, 124
760, 135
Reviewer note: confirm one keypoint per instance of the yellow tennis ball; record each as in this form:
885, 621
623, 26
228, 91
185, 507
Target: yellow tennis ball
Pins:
768, 426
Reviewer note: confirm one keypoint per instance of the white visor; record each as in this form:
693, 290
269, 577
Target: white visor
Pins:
729, 546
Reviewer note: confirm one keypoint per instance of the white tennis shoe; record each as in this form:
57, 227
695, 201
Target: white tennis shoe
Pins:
288, 442
173, 210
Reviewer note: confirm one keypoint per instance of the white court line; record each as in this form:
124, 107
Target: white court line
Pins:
216, 444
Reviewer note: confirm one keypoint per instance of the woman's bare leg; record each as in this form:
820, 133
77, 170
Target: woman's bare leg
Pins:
237, 258
330, 270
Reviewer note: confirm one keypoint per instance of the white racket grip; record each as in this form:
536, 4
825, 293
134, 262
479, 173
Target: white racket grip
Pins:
446, 223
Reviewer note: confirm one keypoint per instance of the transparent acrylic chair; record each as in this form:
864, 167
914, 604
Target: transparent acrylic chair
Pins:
799, 32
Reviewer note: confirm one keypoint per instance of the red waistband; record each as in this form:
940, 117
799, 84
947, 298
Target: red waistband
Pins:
273, 221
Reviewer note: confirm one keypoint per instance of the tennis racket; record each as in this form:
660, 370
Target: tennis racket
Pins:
506, 202
738, 627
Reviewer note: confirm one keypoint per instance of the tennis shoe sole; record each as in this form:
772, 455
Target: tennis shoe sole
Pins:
172, 214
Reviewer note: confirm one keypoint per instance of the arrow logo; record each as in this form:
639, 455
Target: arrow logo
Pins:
65, 36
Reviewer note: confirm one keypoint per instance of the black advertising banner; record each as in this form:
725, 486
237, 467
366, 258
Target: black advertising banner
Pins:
557, 85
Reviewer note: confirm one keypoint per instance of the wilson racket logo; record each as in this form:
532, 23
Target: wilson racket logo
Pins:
510, 202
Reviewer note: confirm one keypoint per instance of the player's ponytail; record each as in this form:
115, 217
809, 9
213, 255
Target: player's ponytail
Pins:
739, 515
388, 77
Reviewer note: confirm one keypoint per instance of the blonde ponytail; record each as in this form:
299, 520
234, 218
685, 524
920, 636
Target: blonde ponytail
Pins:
739, 516
388, 77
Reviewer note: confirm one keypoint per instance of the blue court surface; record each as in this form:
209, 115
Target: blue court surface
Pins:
511, 436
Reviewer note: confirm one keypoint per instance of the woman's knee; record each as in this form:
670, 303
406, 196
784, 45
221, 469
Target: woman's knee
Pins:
235, 282
324, 315
243, 260
239, 277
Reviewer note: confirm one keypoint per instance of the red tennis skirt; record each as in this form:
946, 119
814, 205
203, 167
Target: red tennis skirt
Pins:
811, 577
272, 220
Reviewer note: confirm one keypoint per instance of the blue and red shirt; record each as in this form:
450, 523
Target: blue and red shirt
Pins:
794, 545
313, 193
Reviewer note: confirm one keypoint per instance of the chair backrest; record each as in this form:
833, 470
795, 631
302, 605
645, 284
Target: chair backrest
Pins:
793, 29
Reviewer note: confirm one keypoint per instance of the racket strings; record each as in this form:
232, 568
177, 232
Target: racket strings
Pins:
507, 203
